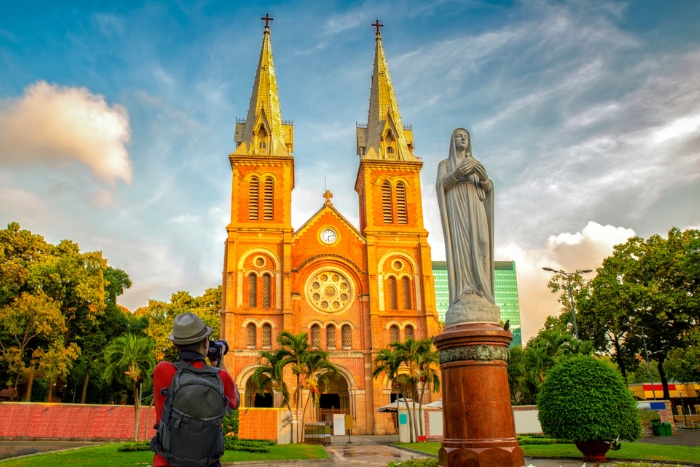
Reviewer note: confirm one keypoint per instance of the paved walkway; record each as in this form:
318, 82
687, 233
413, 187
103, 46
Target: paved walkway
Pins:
681, 438
23, 448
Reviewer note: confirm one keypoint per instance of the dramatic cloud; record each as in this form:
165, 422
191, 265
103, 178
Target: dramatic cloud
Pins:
51, 123
581, 250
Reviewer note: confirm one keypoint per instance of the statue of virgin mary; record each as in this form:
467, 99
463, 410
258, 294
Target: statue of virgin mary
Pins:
465, 197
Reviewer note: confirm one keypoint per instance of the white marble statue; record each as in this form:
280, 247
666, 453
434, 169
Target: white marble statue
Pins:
465, 196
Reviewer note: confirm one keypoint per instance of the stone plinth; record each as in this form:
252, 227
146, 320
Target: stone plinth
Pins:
479, 430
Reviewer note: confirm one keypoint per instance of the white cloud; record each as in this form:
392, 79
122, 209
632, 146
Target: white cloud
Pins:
51, 123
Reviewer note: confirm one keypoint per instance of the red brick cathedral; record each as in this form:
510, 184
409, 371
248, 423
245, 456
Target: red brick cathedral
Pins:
353, 290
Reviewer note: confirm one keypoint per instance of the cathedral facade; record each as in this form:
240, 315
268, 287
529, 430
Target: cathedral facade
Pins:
353, 289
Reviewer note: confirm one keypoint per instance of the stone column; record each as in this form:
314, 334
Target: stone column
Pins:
479, 430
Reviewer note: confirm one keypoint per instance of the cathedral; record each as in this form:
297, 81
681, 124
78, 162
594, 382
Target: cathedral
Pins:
353, 289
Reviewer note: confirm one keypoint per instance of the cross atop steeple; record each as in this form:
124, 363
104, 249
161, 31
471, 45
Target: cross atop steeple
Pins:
267, 18
328, 195
377, 25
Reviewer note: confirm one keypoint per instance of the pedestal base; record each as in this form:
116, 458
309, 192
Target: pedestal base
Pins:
479, 430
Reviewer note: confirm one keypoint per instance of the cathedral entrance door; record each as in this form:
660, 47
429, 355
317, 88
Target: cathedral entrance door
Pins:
253, 397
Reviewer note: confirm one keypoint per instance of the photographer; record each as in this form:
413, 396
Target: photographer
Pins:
191, 398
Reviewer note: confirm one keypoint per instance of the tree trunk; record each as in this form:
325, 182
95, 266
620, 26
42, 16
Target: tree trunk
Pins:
30, 383
149, 411
136, 412
15, 392
420, 410
415, 417
662, 377
83, 396
620, 359
410, 419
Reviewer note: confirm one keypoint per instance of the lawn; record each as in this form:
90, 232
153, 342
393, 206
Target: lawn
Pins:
642, 451
108, 456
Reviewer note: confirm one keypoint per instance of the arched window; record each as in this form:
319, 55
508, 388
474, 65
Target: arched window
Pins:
347, 336
401, 213
263, 145
316, 336
267, 279
253, 196
262, 137
267, 336
252, 290
406, 286
393, 333
390, 150
250, 340
408, 333
386, 203
330, 337
269, 200
393, 302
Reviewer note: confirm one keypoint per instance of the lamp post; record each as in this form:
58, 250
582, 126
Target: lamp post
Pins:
646, 357
569, 275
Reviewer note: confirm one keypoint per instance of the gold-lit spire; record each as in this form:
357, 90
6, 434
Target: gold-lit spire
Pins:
263, 132
384, 136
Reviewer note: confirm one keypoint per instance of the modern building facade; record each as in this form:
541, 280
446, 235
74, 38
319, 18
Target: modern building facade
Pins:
506, 294
352, 289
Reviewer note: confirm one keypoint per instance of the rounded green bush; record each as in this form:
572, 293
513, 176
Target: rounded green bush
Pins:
584, 399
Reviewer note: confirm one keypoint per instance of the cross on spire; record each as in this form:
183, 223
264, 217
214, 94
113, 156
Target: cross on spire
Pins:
267, 18
328, 195
377, 25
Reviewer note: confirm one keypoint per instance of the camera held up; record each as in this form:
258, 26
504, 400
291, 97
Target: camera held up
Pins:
217, 349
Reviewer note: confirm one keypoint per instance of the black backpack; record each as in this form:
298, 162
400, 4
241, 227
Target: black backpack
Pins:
190, 434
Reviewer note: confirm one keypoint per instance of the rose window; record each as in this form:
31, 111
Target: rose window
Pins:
329, 291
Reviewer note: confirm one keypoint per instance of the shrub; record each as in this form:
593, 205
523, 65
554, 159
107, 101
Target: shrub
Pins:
414, 463
583, 399
249, 445
144, 446
230, 424
647, 416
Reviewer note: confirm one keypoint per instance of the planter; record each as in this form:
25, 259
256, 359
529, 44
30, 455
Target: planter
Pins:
594, 451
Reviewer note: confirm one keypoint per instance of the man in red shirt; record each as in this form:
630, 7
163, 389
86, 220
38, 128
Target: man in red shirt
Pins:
191, 337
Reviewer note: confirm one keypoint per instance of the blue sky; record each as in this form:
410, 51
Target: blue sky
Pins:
116, 120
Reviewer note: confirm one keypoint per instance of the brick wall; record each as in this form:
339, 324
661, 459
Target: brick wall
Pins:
258, 424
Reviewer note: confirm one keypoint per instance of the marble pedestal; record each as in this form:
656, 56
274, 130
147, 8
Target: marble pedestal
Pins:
479, 429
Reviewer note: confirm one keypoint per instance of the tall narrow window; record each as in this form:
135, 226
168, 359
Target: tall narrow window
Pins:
267, 279
406, 286
253, 196
330, 337
347, 336
269, 200
316, 336
408, 332
250, 340
393, 333
401, 214
267, 336
393, 302
386, 202
252, 290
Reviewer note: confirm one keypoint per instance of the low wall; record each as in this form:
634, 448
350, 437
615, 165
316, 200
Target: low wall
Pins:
31, 420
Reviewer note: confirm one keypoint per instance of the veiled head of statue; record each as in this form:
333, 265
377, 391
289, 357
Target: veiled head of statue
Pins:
460, 146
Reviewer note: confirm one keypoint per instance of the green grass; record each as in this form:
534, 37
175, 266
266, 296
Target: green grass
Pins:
643, 451
107, 456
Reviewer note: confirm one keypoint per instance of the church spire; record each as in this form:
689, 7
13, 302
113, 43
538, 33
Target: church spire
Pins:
384, 136
263, 132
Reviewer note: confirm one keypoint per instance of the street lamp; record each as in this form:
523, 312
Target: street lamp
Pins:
569, 275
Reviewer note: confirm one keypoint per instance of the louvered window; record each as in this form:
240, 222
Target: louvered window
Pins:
266, 290
316, 336
406, 286
252, 290
267, 336
269, 201
347, 336
393, 302
251, 336
393, 333
330, 337
401, 214
386, 202
408, 332
253, 198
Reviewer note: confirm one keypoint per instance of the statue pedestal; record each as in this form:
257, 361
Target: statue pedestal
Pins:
479, 430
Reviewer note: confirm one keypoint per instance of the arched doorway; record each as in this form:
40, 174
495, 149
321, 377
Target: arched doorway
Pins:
253, 397
334, 398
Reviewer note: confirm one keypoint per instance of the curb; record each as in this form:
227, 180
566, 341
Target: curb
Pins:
282, 461
414, 451
660, 463
2, 461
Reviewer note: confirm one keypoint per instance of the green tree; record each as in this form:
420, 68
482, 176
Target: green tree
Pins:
683, 363
269, 376
130, 358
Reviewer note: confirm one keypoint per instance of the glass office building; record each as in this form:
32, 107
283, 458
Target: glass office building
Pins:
506, 292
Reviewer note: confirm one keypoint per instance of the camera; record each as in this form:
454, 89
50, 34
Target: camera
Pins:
217, 349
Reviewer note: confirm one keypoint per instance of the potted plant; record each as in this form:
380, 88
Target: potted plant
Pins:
586, 401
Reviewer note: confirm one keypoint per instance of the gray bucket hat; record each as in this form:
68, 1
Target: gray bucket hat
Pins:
188, 329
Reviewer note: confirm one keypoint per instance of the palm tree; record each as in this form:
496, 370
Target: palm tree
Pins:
429, 361
270, 376
130, 358
387, 363
319, 372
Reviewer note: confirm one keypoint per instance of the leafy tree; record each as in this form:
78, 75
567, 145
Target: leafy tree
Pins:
269, 376
161, 315
683, 364
130, 358
583, 399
